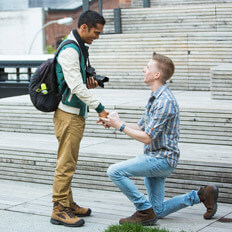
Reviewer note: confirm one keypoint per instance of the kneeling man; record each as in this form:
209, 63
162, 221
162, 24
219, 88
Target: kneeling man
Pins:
158, 129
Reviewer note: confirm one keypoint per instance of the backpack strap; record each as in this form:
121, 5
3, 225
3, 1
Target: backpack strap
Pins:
54, 60
69, 41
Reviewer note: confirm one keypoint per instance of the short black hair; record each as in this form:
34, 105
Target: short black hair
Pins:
91, 18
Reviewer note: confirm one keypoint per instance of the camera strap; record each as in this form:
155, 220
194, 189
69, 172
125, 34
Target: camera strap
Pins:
82, 46
83, 49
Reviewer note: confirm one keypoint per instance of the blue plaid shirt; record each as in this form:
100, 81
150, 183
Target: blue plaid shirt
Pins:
161, 121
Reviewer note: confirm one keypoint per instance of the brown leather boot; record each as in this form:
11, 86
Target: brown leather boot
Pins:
64, 216
80, 211
208, 195
145, 217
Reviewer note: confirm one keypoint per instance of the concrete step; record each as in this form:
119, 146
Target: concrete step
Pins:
221, 82
32, 159
202, 120
199, 127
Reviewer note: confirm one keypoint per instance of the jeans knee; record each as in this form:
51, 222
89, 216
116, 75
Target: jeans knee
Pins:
111, 171
114, 172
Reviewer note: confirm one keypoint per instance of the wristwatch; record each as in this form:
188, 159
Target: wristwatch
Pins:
122, 127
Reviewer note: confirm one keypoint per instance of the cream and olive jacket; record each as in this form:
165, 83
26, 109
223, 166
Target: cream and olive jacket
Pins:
69, 70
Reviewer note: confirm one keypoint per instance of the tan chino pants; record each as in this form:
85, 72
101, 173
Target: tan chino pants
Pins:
69, 129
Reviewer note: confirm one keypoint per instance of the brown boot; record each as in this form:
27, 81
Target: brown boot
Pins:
145, 217
208, 195
80, 211
64, 216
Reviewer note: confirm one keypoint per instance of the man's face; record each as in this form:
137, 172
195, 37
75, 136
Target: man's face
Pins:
90, 35
150, 72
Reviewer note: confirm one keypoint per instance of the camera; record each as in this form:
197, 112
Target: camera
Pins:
90, 72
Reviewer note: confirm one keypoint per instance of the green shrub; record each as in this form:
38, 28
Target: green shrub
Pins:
50, 49
134, 228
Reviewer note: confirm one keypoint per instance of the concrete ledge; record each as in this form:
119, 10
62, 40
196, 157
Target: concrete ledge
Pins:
221, 82
202, 120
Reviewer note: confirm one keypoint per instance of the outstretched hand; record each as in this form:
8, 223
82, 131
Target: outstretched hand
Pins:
114, 121
101, 115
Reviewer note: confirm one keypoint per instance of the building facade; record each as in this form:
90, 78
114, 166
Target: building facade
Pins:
55, 33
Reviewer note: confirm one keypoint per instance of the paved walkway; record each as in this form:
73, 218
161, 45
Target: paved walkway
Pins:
27, 207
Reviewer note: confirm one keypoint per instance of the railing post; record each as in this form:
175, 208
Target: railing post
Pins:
29, 74
17, 75
85, 6
3, 75
100, 6
117, 21
146, 3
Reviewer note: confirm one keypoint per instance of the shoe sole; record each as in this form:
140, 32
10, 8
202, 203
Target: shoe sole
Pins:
150, 222
57, 222
84, 215
215, 193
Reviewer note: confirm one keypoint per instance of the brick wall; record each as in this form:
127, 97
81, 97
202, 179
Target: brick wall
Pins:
55, 32
124, 3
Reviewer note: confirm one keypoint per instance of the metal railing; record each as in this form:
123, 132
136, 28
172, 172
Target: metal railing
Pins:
17, 71
117, 17
146, 3
15, 76
85, 6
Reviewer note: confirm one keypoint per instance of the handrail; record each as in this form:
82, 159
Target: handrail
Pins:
20, 63
16, 71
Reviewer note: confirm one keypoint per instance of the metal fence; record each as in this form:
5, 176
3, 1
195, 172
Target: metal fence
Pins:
15, 76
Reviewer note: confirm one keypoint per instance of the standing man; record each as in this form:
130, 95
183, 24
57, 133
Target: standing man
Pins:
69, 118
158, 129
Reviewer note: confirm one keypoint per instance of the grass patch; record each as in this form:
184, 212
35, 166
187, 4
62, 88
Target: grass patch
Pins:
127, 227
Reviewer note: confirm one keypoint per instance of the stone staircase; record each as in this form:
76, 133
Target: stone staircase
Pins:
197, 37
155, 3
123, 56
166, 19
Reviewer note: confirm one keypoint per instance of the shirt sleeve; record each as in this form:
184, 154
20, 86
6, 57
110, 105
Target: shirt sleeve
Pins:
141, 123
161, 114
69, 62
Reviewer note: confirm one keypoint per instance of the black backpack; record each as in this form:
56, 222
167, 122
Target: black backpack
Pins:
43, 86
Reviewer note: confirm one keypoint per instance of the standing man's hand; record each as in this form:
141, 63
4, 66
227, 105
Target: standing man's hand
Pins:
103, 114
114, 122
91, 83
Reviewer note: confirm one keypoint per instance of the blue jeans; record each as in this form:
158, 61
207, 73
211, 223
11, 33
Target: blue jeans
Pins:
155, 171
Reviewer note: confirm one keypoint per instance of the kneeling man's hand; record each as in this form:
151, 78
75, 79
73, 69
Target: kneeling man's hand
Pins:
114, 121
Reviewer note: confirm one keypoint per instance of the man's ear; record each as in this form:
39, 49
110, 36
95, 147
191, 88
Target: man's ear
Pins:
157, 75
84, 27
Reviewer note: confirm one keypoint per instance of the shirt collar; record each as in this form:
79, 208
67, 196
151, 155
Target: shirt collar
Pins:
159, 91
